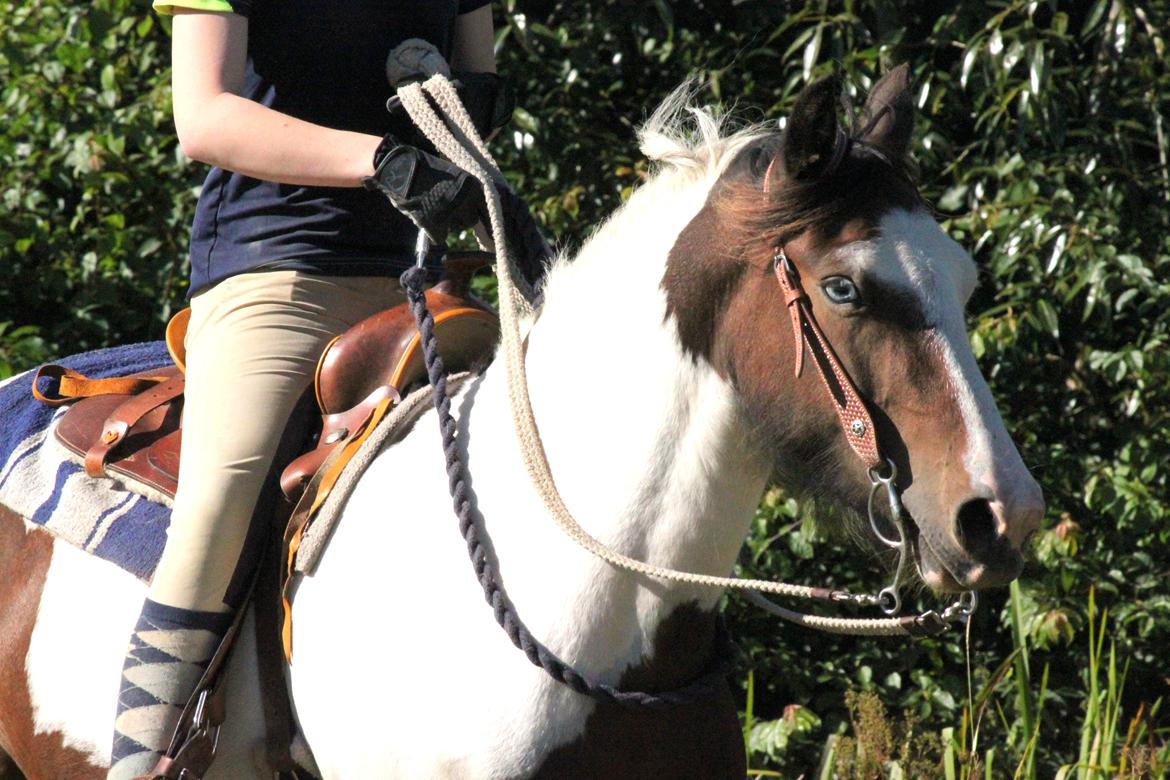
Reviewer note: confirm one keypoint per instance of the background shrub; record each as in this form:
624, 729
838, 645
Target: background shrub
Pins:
1042, 139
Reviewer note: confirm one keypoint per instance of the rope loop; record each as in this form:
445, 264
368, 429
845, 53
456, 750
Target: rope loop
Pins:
708, 682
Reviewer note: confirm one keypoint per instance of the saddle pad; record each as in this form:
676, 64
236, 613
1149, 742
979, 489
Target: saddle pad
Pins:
393, 429
40, 480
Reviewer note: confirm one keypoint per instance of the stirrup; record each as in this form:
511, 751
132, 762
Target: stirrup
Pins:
198, 747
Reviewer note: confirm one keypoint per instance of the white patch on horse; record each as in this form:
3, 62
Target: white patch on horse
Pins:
649, 453
87, 611
913, 253
75, 656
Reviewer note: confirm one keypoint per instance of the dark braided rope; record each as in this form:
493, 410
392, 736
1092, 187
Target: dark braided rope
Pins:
538, 654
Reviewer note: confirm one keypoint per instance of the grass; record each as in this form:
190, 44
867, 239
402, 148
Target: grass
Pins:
879, 745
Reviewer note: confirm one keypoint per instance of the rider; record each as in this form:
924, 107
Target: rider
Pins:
286, 102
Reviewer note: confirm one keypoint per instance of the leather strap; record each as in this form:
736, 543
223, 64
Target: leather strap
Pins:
122, 419
335, 431
196, 735
193, 745
851, 411
72, 385
279, 722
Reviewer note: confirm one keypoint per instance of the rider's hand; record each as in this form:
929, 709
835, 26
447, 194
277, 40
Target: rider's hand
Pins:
436, 195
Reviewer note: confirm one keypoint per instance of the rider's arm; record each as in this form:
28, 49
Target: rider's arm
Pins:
217, 126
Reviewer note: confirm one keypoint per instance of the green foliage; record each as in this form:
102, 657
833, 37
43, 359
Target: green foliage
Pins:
1042, 140
19, 347
96, 199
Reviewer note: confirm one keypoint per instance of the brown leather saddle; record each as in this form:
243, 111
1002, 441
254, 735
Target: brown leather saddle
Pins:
130, 427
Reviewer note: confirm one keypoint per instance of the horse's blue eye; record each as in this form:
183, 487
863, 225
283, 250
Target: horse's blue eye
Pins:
840, 289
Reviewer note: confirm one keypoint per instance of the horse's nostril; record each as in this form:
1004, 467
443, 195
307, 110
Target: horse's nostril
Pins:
976, 526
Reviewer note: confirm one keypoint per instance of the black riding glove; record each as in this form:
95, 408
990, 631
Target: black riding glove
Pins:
488, 100
436, 195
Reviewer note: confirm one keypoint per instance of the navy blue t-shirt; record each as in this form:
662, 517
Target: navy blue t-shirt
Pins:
323, 61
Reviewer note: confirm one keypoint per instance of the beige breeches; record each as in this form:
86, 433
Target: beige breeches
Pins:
252, 345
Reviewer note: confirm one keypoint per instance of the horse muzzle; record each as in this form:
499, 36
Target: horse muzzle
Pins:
983, 548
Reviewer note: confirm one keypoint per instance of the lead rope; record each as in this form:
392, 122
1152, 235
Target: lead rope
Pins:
513, 306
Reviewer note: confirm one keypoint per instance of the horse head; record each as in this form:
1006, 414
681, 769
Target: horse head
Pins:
888, 289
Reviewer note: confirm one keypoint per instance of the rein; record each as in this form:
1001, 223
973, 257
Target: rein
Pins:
468, 152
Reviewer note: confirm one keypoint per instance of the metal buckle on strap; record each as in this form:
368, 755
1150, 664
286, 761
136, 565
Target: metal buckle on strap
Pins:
201, 727
780, 259
928, 624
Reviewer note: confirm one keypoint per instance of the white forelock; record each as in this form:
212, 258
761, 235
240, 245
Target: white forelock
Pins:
699, 140
692, 146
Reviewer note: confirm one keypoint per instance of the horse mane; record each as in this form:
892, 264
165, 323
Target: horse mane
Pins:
694, 140
689, 147
689, 143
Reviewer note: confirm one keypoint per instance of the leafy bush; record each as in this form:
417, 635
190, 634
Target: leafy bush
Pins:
96, 198
1042, 139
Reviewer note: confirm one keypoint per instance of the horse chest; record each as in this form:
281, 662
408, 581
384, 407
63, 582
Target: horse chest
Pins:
416, 680
700, 739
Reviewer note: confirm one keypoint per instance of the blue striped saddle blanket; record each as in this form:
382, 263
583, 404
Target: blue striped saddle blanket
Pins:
41, 481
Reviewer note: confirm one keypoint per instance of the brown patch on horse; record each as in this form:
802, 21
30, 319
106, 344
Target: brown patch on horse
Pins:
700, 278
890, 354
701, 739
740, 227
26, 556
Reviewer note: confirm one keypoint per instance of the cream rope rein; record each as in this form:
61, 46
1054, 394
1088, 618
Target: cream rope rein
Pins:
515, 305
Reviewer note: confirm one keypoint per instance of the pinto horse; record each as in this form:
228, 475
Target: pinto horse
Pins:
660, 372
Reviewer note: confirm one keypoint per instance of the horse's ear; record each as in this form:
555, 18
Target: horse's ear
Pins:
887, 121
811, 134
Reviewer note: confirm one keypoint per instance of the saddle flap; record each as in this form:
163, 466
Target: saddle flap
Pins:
164, 454
137, 436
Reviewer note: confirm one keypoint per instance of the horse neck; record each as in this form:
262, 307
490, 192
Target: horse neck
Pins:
647, 446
